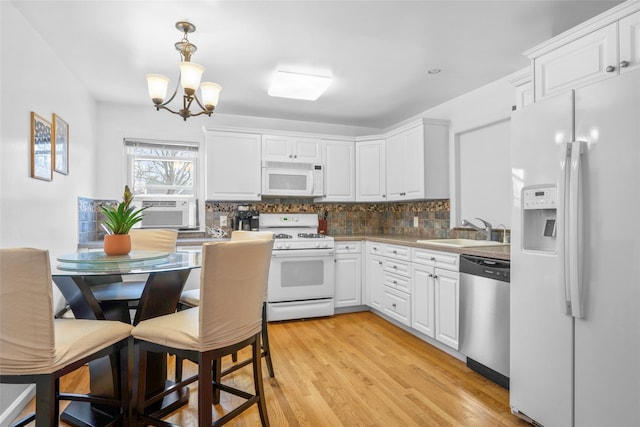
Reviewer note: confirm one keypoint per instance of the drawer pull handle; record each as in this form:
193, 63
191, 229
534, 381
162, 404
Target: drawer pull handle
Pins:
432, 258
393, 305
624, 64
380, 262
395, 282
610, 69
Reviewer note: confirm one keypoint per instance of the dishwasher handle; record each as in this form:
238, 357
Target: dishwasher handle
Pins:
492, 268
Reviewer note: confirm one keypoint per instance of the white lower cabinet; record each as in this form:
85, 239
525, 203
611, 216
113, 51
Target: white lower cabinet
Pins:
417, 287
374, 277
397, 304
423, 307
389, 280
348, 274
436, 295
447, 302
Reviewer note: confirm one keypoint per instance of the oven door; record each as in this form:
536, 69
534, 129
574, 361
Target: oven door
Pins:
303, 274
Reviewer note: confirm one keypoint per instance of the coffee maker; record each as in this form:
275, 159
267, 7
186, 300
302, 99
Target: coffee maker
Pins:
246, 218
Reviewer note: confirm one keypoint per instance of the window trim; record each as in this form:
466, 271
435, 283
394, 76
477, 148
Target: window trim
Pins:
162, 144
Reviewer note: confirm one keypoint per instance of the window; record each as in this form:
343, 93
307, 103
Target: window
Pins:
162, 168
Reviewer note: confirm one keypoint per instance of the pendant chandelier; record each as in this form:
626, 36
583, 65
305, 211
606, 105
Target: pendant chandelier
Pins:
190, 75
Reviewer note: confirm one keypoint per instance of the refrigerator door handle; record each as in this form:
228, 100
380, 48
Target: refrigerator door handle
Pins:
564, 292
575, 229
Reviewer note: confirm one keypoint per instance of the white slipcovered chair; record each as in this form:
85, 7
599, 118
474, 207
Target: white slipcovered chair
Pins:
36, 348
118, 293
228, 319
191, 298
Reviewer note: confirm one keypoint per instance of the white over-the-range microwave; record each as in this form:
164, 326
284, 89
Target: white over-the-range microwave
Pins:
169, 213
292, 179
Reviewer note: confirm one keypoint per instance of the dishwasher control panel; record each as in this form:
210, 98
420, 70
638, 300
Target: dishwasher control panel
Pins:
491, 268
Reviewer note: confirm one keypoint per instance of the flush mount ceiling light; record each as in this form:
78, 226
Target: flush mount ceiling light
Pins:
190, 74
288, 84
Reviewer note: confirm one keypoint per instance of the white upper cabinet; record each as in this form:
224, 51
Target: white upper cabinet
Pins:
629, 28
600, 48
233, 170
417, 162
338, 158
370, 171
282, 148
586, 60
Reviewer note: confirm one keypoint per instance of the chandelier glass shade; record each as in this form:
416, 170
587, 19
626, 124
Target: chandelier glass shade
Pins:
190, 75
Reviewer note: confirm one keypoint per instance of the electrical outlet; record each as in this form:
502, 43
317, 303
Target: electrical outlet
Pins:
415, 221
223, 220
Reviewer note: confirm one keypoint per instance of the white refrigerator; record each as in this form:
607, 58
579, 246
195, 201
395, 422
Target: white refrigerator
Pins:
575, 257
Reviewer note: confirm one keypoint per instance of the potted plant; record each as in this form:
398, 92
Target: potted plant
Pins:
119, 221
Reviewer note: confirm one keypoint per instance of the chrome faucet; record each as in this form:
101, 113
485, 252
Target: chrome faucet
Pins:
487, 227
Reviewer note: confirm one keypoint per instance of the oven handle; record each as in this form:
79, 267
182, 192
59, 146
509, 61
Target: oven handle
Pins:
300, 253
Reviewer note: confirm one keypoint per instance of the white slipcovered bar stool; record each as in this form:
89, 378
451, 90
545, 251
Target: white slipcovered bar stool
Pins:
191, 298
118, 294
36, 348
228, 319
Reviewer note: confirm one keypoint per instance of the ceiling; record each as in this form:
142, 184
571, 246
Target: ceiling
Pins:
378, 52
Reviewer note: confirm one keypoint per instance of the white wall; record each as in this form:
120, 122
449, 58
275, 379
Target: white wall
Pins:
486, 107
33, 212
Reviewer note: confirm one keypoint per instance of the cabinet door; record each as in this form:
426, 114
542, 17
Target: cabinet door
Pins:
375, 280
233, 168
406, 165
447, 294
348, 280
370, 171
581, 62
276, 148
396, 150
339, 165
414, 166
283, 148
423, 300
629, 42
306, 150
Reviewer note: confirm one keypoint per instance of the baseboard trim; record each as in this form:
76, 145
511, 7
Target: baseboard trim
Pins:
17, 406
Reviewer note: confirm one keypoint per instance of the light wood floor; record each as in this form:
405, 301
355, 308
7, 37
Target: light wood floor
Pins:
356, 370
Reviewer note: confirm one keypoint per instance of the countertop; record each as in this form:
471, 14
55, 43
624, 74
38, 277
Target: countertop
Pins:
498, 252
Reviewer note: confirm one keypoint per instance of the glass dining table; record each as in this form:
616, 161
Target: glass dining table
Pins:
75, 274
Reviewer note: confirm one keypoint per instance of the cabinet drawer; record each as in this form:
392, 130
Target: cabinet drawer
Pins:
446, 260
397, 282
397, 252
348, 247
396, 304
397, 267
375, 248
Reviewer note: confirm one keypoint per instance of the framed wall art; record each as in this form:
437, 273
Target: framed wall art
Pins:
61, 145
41, 159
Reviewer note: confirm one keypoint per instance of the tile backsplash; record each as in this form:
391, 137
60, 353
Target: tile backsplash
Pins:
90, 217
342, 218
357, 218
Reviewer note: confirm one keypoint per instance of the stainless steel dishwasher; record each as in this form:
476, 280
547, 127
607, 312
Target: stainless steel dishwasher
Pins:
484, 316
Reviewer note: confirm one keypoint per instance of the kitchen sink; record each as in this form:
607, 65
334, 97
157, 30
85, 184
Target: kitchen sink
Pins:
461, 243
